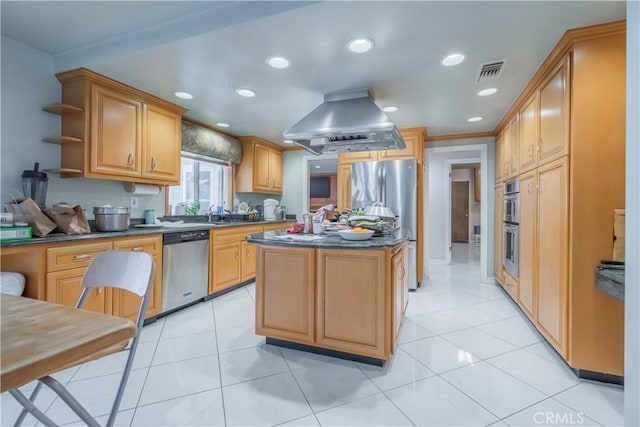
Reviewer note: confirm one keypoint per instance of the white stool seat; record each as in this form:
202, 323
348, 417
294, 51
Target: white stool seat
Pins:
12, 283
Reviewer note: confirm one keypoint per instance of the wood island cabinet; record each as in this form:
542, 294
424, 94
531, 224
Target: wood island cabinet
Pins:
248, 263
225, 266
347, 300
261, 167
113, 131
571, 166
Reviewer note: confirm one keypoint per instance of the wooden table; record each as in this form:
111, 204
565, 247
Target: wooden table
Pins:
39, 338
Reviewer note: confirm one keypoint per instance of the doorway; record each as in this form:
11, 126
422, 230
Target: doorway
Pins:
319, 181
460, 212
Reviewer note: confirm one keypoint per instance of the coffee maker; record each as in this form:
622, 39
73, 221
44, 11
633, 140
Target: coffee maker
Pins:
34, 185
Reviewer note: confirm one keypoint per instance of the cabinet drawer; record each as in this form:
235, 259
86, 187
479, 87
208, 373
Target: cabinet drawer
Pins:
66, 257
277, 226
511, 285
234, 234
152, 245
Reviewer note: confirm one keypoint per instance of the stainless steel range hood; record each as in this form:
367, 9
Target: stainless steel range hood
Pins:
345, 122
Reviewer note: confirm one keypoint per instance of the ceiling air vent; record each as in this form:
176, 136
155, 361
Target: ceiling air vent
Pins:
490, 71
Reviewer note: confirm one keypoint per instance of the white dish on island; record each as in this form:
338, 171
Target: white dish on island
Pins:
350, 235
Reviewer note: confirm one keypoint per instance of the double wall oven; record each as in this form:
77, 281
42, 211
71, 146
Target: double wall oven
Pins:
511, 221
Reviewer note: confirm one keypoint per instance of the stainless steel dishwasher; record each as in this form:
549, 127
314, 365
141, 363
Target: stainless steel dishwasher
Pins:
185, 268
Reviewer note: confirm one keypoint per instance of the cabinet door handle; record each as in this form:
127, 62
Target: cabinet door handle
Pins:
403, 272
99, 290
137, 249
81, 257
539, 148
530, 187
153, 163
130, 160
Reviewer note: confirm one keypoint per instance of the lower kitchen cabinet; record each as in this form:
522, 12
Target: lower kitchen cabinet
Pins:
63, 287
65, 268
225, 266
248, 262
233, 259
287, 310
127, 304
527, 242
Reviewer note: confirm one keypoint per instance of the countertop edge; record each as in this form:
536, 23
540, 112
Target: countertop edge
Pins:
330, 242
62, 238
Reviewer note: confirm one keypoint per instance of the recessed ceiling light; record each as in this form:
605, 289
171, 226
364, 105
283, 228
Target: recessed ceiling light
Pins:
488, 91
222, 125
288, 141
390, 109
360, 45
453, 59
183, 95
317, 166
278, 62
474, 119
247, 93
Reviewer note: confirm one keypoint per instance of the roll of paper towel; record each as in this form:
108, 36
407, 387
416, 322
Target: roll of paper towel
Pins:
143, 189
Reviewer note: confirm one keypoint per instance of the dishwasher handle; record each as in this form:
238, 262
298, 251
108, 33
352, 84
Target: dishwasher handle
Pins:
173, 238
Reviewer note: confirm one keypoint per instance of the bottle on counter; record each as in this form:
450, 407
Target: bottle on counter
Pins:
308, 223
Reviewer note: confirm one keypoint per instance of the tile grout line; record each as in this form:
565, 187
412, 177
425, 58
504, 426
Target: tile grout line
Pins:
313, 412
215, 332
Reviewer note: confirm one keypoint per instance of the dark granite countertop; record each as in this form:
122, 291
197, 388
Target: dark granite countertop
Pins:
132, 231
281, 238
610, 280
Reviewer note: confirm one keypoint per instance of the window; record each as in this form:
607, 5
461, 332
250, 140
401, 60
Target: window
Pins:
202, 179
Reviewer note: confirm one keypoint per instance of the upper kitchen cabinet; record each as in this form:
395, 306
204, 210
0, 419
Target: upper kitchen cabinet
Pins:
499, 158
261, 167
528, 134
413, 137
113, 131
553, 115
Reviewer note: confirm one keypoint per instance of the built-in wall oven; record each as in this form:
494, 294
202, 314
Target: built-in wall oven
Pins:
510, 230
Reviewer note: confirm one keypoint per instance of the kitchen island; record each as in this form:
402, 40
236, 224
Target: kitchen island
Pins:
332, 296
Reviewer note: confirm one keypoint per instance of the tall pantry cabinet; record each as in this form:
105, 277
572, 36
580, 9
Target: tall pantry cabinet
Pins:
571, 166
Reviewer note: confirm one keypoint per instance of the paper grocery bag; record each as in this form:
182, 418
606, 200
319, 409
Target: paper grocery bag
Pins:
69, 219
28, 211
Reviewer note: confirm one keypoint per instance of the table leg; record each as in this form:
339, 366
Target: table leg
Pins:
71, 401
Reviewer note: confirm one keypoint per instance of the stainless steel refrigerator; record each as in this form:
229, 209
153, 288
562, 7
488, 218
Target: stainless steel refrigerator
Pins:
395, 184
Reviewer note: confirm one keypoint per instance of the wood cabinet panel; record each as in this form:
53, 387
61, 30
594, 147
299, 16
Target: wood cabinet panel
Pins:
225, 266
513, 156
116, 133
552, 250
358, 156
285, 293
162, 143
344, 186
275, 171
351, 301
528, 134
497, 233
527, 235
261, 179
499, 159
414, 138
400, 297
554, 115
511, 285
248, 263
63, 287
275, 226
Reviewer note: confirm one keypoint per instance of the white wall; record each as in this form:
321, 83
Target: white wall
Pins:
293, 181
468, 175
28, 84
632, 239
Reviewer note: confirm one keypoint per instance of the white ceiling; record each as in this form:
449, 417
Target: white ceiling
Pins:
211, 48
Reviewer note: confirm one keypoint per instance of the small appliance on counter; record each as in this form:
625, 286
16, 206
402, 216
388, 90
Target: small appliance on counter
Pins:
34, 185
111, 219
269, 207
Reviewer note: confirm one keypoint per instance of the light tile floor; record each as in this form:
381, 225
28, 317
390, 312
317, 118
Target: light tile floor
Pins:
467, 357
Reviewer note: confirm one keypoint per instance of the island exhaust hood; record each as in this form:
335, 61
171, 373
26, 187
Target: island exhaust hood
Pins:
346, 122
